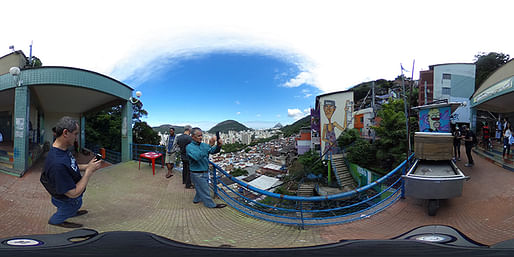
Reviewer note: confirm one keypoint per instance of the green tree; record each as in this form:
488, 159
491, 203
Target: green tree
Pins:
103, 128
235, 147
487, 64
362, 153
142, 133
36, 62
392, 143
312, 163
348, 137
238, 172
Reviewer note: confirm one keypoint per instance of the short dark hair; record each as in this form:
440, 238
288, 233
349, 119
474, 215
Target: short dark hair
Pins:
193, 131
67, 123
187, 128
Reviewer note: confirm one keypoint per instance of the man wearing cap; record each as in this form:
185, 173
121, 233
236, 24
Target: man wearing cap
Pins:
328, 133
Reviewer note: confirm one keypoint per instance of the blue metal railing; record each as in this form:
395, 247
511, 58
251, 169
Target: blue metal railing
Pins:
324, 210
137, 149
110, 155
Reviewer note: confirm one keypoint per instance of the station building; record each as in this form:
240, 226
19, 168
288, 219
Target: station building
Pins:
33, 99
452, 82
496, 93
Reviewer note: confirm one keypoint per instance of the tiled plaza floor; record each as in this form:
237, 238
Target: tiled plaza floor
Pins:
121, 197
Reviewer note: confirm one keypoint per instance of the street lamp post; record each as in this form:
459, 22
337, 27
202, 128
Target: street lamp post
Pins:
135, 100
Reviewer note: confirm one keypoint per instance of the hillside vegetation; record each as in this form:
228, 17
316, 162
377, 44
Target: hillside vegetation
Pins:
295, 127
164, 129
228, 125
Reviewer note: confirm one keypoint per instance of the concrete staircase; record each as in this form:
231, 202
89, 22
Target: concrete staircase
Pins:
306, 190
343, 176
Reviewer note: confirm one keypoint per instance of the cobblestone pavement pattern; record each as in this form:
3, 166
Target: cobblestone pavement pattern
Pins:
123, 198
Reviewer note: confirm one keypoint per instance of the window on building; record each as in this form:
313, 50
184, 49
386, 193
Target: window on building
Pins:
446, 90
447, 76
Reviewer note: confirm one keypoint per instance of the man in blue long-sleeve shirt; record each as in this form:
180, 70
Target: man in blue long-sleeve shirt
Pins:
198, 154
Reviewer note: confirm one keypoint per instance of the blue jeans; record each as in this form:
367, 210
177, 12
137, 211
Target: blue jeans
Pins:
203, 191
66, 208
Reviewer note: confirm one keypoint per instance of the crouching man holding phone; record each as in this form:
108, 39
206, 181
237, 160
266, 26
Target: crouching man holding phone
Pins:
61, 175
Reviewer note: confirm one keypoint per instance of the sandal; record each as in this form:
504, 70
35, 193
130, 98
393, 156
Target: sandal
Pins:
169, 175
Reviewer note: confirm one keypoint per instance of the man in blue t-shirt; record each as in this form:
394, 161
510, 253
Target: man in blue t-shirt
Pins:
61, 175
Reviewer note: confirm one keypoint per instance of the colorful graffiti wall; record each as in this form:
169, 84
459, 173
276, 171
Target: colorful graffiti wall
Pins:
434, 120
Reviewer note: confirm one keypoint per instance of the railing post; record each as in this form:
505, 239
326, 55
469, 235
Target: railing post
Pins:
301, 215
214, 182
404, 171
329, 176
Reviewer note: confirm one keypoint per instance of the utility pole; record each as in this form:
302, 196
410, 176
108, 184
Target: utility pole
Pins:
373, 107
426, 92
406, 113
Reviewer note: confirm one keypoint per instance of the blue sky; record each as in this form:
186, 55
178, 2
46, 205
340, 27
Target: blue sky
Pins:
206, 89
266, 55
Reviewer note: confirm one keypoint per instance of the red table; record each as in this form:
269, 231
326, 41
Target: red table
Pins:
152, 156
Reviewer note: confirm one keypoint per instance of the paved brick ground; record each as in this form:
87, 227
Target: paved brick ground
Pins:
121, 197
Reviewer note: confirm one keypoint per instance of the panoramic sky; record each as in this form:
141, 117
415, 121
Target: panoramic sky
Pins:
257, 62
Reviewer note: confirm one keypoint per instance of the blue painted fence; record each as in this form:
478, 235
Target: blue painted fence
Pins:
305, 211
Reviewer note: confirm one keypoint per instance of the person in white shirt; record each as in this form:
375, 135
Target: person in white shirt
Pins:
506, 139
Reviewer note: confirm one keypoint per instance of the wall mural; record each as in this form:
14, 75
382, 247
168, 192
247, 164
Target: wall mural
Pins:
435, 120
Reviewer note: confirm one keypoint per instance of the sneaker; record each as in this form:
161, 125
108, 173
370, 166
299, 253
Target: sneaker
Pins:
468, 165
458, 159
67, 224
81, 212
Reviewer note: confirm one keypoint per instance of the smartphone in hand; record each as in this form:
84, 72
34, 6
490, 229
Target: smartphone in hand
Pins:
98, 157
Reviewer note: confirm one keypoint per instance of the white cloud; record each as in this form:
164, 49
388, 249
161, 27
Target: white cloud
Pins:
303, 78
297, 113
238, 113
237, 102
334, 49
258, 115
278, 115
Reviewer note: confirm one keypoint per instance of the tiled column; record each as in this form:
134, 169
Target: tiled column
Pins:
126, 131
82, 131
21, 129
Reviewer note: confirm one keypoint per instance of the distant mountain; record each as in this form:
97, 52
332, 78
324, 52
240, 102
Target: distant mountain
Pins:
227, 125
164, 129
295, 127
278, 126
